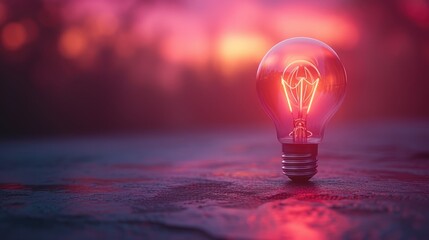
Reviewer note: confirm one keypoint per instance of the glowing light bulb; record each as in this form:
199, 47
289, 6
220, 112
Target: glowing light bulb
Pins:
301, 83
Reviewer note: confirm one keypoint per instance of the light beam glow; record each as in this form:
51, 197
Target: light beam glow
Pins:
301, 84
300, 80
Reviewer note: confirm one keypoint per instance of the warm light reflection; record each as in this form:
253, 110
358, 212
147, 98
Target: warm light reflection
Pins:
307, 22
294, 219
14, 36
182, 38
236, 50
102, 25
72, 43
188, 34
186, 46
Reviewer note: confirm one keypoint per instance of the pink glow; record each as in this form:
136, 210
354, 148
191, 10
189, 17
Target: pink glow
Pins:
73, 43
193, 34
3, 12
306, 21
416, 10
129, 64
14, 36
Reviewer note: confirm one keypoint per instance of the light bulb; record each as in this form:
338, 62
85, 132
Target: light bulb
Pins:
301, 83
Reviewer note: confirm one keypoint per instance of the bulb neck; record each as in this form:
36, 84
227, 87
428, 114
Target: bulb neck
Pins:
299, 161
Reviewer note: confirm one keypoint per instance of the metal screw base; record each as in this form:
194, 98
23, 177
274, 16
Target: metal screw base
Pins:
299, 161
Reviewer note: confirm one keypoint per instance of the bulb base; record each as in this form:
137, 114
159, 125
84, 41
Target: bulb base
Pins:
299, 161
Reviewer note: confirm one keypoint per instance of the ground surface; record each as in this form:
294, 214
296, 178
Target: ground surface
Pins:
373, 182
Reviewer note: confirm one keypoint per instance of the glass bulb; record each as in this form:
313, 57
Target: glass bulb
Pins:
301, 83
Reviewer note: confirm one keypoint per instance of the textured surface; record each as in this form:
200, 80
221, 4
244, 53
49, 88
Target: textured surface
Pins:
373, 182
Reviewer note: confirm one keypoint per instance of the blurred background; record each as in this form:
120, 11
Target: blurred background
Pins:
70, 67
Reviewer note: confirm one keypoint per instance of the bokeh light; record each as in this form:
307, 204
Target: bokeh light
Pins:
78, 65
14, 36
236, 51
73, 43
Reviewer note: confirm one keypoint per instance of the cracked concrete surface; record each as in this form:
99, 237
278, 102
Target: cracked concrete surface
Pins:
373, 183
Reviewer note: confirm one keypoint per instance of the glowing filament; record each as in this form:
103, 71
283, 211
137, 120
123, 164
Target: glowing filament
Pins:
300, 80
